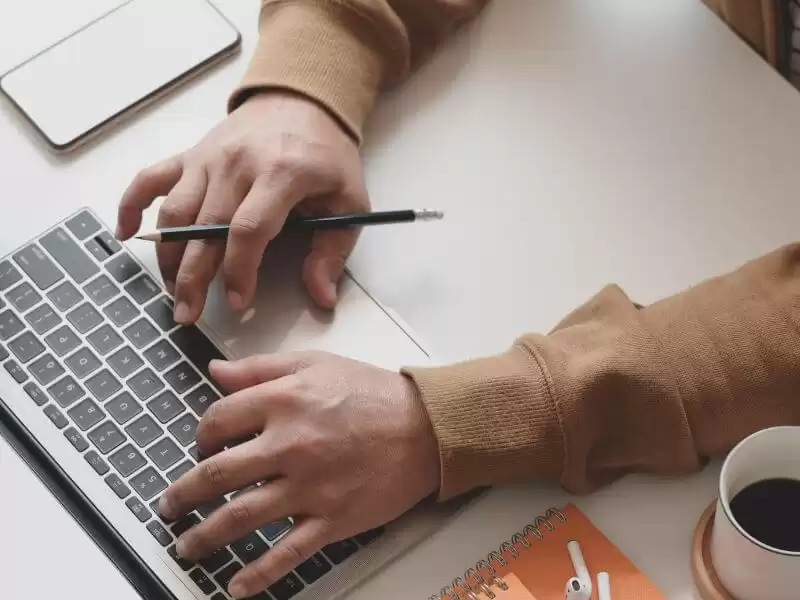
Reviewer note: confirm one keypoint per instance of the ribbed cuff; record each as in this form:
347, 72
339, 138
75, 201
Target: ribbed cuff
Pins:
494, 420
320, 50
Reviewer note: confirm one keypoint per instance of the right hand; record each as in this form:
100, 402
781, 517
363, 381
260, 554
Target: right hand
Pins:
277, 153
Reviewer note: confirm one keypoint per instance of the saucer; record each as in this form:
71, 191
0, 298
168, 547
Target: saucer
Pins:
705, 577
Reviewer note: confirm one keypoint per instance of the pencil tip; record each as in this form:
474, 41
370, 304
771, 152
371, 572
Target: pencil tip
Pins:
148, 237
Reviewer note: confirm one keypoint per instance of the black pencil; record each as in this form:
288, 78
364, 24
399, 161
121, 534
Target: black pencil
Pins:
210, 232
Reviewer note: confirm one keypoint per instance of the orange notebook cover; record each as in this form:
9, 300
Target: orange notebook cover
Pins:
538, 559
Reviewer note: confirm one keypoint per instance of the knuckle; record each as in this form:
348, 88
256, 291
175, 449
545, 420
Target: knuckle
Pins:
209, 425
171, 212
245, 227
231, 155
212, 473
186, 279
238, 513
296, 554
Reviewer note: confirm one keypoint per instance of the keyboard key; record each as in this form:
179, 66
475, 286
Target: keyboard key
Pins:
23, 297
76, 439
194, 452
10, 325
3, 352
83, 225
123, 408
65, 296
127, 460
180, 471
165, 453
63, 340
17, 372
250, 547
69, 255
158, 531
55, 416
82, 363
103, 245
182, 378
143, 289
286, 587
209, 507
104, 339
223, 578
118, 486
148, 483
272, 531
221, 597
103, 385
166, 406
183, 564
184, 429
370, 536
216, 560
96, 249
96, 462
160, 311
145, 383
144, 430
125, 361
200, 399
202, 581
197, 347
35, 393
101, 290
162, 355
123, 267
340, 551
38, 266
9, 275
46, 369
84, 318
43, 319
66, 392
121, 311
141, 333
138, 509
26, 347
184, 524
314, 568
106, 437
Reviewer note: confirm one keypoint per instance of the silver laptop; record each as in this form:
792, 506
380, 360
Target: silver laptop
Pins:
101, 393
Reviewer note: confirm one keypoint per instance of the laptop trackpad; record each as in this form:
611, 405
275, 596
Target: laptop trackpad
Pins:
44, 553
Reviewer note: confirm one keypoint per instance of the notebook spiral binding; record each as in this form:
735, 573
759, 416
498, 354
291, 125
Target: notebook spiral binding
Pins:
481, 578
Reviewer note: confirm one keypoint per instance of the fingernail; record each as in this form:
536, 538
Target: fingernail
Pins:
182, 313
180, 547
238, 590
165, 507
235, 299
170, 285
118, 232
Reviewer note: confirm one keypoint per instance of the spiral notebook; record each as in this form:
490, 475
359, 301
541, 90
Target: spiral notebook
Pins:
535, 564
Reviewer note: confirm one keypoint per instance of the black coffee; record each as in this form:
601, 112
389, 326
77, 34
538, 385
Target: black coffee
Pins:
769, 510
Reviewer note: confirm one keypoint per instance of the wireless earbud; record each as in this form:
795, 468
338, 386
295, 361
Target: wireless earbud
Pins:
577, 590
581, 571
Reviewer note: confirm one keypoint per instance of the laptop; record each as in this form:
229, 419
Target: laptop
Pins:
100, 395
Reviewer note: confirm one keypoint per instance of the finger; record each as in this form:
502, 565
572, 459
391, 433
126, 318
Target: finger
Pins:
233, 521
225, 472
235, 375
202, 258
179, 209
307, 536
325, 264
148, 185
258, 220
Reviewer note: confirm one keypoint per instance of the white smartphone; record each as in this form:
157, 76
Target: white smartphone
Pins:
116, 64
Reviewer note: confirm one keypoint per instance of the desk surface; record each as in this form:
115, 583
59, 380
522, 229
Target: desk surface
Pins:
571, 143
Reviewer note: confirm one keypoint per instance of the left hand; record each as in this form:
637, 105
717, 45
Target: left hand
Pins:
340, 445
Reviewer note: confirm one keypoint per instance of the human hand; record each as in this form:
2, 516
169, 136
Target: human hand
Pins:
341, 446
276, 153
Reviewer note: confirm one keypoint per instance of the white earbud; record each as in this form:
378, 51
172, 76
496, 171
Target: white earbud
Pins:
603, 586
581, 571
577, 590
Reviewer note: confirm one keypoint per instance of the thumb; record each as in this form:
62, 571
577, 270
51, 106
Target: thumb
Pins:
325, 264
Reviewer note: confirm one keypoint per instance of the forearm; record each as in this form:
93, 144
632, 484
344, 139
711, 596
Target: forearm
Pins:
342, 53
616, 389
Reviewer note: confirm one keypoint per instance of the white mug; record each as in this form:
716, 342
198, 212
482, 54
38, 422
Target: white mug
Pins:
748, 568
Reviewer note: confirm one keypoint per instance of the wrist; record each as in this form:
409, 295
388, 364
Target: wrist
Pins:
423, 439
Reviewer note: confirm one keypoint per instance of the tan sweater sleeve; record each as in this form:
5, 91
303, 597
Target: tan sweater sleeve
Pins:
617, 388
341, 53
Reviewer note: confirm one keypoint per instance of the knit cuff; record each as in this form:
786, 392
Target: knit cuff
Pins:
494, 420
319, 50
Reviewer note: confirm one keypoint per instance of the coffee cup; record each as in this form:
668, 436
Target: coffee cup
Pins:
755, 541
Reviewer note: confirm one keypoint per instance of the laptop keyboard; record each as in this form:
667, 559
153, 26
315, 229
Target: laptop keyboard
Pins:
89, 336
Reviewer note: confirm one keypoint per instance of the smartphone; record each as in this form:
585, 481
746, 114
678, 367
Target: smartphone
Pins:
117, 64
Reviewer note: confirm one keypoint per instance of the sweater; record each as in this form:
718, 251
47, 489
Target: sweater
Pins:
616, 387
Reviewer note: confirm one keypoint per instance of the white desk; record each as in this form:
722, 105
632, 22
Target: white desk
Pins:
637, 142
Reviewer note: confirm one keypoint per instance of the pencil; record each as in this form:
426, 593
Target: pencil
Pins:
211, 232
